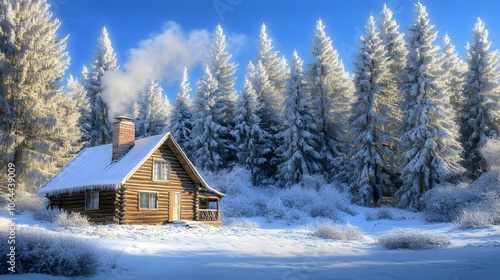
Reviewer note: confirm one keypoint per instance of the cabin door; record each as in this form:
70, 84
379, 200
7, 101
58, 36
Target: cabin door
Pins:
175, 206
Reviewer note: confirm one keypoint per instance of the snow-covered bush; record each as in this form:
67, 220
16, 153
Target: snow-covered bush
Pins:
382, 213
41, 251
491, 154
48, 215
73, 219
474, 218
312, 197
412, 239
337, 232
242, 224
26, 201
446, 202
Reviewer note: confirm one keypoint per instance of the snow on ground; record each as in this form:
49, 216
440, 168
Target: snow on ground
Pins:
280, 251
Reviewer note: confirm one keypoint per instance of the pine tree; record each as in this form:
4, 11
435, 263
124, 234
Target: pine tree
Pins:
181, 119
250, 137
269, 85
207, 131
453, 69
225, 97
103, 60
38, 125
393, 42
299, 143
480, 119
275, 69
78, 94
331, 90
154, 112
394, 45
429, 149
371, 117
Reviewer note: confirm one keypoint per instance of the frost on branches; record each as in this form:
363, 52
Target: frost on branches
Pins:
430, 153
480, 119
298, 151
207, 140
38, 125
78, 94
331, 90
250, 137
181, 119
103, 60
153, 112
453, 69
371, 120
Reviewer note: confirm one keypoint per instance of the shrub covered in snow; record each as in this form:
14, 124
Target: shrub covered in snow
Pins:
446, 202
73, 219
469, 205
473, 218
382, 213
29, 202
41, 251
412, 239
62, 218
312, 197
337, 232
48, 215
242, 224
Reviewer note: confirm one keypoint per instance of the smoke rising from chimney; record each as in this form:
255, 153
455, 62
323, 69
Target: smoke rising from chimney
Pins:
161, 57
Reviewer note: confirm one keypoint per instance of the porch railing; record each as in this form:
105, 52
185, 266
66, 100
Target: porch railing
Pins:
208, 215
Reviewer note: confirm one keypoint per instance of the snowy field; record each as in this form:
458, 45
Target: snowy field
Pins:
280, 251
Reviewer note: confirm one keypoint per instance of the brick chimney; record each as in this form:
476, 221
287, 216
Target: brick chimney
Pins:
123, 136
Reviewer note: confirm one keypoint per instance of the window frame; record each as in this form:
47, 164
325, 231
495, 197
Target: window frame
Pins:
168, 171
147, 192
87, 206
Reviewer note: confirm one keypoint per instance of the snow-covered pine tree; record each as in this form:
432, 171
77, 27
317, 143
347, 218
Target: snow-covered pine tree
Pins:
331, 92
250, 137
103, 60
225, 97
371, 115
154, 111
259, 79
181, 119
430, 153
269, 85
78, 94
453, 73
275, 69
394, 44
38, 123
298, 151
206, 133
480, 119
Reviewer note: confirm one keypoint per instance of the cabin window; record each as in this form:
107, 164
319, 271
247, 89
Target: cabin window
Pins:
161, 170
91, 200
148, 200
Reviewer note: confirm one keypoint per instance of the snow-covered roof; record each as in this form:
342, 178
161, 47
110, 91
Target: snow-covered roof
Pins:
93, 168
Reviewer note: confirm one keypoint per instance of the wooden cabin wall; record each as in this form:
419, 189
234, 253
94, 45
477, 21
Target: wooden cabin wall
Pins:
76, 203
141, 180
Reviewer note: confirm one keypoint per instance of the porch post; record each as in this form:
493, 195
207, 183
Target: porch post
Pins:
196, 201
218, 210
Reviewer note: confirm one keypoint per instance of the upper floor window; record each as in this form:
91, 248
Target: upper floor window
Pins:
161, 170
91, 200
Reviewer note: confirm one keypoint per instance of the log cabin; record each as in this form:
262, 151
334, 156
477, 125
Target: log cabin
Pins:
144, 181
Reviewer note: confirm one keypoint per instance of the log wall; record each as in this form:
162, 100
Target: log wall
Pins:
76, 203
141, 180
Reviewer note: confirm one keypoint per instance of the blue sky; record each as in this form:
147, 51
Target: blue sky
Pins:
290, 24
